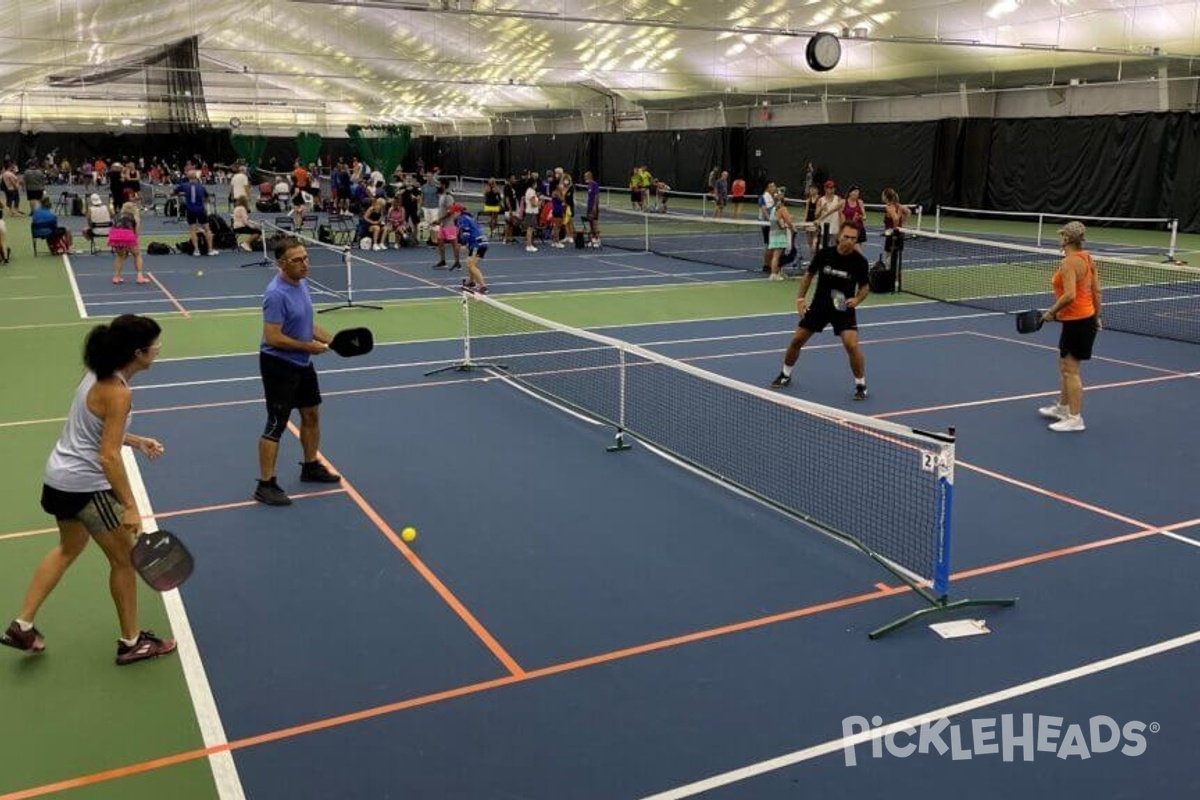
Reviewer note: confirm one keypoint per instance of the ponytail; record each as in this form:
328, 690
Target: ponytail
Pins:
110, 347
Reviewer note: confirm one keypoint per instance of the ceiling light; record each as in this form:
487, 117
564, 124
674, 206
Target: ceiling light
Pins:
1003, 8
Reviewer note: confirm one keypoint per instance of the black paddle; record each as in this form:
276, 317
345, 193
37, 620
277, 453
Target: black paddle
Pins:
1029, 321
162, 560
352, 342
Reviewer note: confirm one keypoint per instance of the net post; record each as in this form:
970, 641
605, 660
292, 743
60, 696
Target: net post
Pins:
1174, 226
945, 497
619, 442
466, 364
920, 210
939, 594
466, 331
1041, 223
348, 266
265, 261
646, 230
937, 219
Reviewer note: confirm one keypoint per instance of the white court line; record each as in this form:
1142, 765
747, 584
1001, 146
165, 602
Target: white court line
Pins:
1181, 538
225, 774
835, 745
79, 306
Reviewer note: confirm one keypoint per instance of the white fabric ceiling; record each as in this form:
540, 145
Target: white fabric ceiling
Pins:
286, 63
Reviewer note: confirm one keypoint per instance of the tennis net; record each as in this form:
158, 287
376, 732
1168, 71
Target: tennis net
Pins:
882, 487
736, 244
330, 267
1139, 297
1155, 235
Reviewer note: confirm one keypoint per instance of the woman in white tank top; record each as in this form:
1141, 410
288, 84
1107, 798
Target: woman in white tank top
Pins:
87, 490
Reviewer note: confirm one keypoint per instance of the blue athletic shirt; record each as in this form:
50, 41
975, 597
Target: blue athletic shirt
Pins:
194, 195
469, 232
290, 307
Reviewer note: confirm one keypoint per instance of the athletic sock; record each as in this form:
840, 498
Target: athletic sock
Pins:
129, 642
861, 381
24, 626
787, 371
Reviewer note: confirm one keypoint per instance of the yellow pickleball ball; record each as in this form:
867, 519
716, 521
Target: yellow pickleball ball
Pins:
408, 534
199, 273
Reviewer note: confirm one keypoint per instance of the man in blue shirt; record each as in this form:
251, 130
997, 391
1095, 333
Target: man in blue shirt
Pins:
195, 198
471, 235
290, 338
43, 224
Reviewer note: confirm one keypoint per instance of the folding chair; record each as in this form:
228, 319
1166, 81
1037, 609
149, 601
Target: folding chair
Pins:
342, 228
308, 224
99, 231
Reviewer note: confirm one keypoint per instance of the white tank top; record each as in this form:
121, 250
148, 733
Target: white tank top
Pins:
74, 463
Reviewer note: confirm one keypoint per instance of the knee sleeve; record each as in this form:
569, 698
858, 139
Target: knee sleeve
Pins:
276, 424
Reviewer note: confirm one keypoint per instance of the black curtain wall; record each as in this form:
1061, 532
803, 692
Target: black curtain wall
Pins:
1097, 166
872, 157
682, 159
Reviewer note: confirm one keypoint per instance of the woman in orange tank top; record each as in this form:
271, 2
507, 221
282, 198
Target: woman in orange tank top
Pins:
1077, 306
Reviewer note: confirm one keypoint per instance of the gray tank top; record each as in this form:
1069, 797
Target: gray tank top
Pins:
74, 464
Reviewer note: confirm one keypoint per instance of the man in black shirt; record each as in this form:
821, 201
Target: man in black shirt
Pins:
842, 285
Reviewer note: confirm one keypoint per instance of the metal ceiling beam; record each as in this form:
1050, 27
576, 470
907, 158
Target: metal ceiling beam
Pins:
456, 8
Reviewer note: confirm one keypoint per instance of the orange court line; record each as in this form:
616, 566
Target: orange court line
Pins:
1062, 498
170, 296
443, 591
882, 591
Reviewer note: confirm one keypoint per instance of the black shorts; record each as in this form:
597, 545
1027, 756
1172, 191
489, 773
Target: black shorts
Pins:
98, 511
1077, 338
477, 252
287, 385
35, 194
197, 217
815, 320
13, 196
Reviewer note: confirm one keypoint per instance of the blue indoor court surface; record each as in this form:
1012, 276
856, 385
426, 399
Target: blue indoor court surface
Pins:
661, 628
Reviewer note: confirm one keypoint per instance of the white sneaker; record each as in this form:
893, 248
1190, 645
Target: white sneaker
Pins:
380, 247
776, 276
214, 252
1069, 423
1055, 411
196, 253
246, 246
530, 249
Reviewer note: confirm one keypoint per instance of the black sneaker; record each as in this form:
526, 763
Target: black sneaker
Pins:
468, 286
455, 265
781, 381
860, 391
440, 265
269, 493
147, 646
481, 290
316, 472
30, 641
